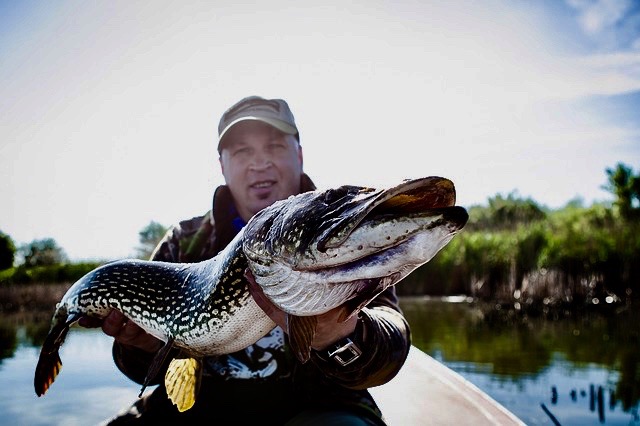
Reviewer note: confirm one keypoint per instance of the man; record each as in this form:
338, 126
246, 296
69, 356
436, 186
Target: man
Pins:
261, 161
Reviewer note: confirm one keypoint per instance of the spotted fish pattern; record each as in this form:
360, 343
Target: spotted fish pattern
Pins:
309, 253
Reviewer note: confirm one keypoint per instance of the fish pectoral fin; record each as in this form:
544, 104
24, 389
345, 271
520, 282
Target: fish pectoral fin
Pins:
302, 330
47, 369
183, 381
156, 365
49, 363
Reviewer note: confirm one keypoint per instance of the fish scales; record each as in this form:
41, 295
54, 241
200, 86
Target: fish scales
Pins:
309, 253
164, 300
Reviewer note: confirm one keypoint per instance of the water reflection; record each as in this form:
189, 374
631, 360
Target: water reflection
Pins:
575, 367
35, 330
88, 391
8, 340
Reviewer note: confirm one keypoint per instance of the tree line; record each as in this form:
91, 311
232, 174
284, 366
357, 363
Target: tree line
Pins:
44, 261
515, 250
511, 249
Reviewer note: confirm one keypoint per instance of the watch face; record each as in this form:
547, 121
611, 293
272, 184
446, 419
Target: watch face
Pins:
345, 352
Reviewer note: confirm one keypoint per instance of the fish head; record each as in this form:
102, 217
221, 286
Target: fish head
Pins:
320, 249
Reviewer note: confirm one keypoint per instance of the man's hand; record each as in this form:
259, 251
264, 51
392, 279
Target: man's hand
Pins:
329, 329
124, 331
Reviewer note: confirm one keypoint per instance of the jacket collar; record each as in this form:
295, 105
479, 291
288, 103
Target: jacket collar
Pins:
224, 211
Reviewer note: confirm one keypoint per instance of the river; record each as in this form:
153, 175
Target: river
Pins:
579, 367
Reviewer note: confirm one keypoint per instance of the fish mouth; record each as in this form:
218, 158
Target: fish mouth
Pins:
349, 243
388, 238
409, 197
361, 268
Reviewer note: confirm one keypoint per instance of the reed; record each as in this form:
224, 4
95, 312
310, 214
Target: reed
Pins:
38, 297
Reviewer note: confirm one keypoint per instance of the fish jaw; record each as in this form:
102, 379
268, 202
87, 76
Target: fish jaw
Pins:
421, 236
410, 196
319, 250
379, 253
303, 228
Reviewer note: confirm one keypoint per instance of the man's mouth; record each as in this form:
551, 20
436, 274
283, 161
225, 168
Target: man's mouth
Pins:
263, 189
265, 184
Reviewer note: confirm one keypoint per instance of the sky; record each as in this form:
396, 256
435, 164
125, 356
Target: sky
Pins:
109, 109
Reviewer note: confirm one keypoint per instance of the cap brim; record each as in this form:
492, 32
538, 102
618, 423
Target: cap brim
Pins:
278, 124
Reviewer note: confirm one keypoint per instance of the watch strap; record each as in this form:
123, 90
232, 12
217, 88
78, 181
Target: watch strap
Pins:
344, 352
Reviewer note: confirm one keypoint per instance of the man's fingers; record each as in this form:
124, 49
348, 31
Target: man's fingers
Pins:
89, 322
277, 315
257, 292
116, 325
113, 323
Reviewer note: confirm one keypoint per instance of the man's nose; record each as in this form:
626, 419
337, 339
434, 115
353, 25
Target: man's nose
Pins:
261, 162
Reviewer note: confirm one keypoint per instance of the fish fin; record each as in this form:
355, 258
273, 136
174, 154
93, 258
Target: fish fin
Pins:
183, 381
348, 311
49, 363
371, 289
156, 364
302, 330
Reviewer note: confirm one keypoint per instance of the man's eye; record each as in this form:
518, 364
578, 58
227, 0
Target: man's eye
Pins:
277, 146
241, 151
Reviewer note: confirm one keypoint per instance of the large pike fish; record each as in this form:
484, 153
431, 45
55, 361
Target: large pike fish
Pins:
309, 253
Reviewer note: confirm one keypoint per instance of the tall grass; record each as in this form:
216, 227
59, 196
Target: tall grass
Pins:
570, 255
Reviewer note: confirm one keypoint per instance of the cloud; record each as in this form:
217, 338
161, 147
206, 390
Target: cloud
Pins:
496, 95
612, 66
611, 24
617, 72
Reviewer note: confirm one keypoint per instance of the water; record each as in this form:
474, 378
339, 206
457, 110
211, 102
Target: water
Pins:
584, 369
88, 390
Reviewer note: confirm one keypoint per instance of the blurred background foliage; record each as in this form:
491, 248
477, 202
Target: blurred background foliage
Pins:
512, 249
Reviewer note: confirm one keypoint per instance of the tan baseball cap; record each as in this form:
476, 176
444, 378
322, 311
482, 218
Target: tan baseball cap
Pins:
275, 112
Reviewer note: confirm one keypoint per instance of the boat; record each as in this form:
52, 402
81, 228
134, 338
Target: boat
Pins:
426, 392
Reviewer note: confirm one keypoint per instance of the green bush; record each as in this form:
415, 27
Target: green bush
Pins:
591, 252
7, 251
48, 274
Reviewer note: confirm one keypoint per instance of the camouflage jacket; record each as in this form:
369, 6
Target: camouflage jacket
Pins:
265, 381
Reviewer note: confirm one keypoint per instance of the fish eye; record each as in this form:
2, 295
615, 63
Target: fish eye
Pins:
333, 195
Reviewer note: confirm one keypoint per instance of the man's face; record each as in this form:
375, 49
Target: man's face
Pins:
260, 165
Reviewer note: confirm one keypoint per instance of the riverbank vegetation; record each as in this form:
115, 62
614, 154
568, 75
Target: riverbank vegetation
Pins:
512, 250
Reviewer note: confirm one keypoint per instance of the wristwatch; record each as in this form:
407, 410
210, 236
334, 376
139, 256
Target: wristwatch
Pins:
346, 350
343, 352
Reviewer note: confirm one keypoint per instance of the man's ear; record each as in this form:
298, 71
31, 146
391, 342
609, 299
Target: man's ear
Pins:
221, 164
300, 157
